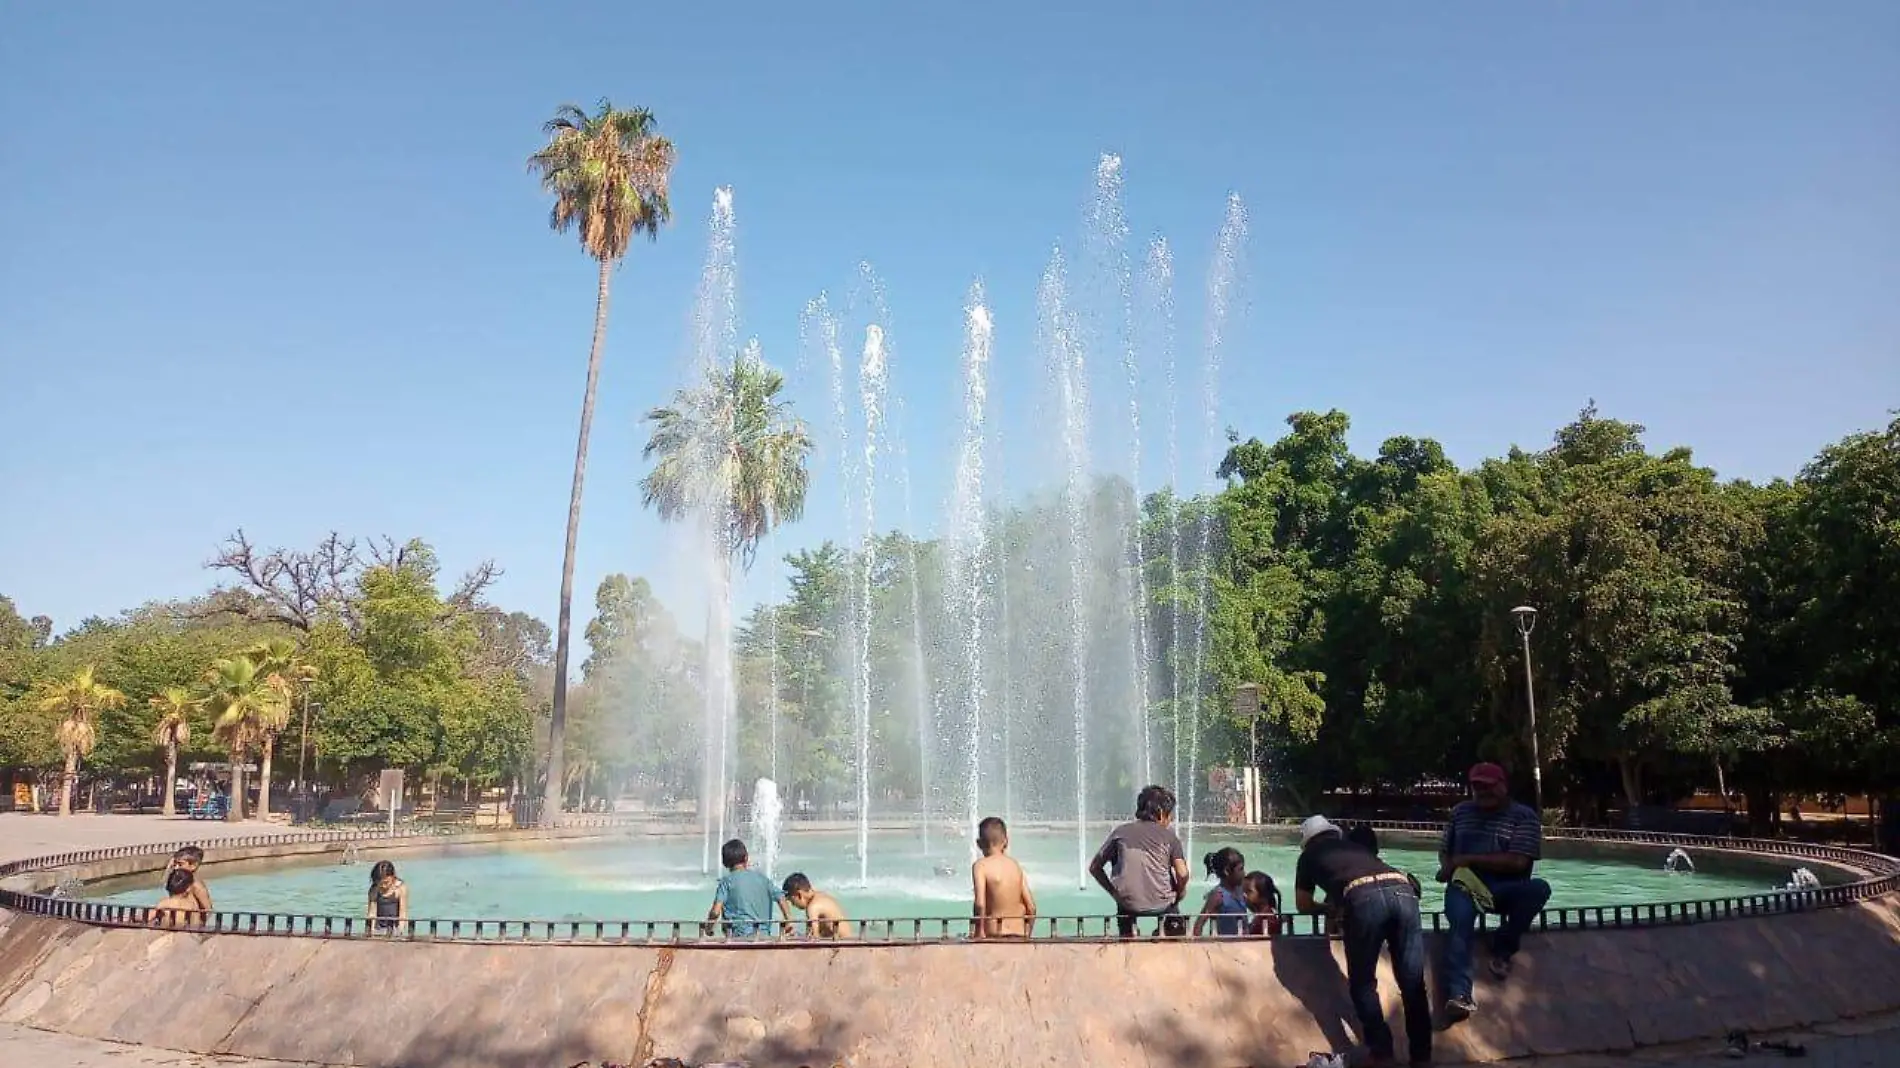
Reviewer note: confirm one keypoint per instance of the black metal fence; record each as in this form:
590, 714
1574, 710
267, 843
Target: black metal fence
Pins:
1883, 877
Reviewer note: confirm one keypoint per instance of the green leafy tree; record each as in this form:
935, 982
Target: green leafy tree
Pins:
608, 175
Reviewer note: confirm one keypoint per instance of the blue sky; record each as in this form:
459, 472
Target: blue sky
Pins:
279, 266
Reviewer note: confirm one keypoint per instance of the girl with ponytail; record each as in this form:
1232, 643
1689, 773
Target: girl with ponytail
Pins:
1225, 905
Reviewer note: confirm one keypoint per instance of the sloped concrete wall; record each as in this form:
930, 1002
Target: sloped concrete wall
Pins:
1190, 1004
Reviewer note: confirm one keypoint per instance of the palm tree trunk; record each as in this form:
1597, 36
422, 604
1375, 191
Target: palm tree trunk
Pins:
67, 782
557, 722
235, 812
263, 778
171, 778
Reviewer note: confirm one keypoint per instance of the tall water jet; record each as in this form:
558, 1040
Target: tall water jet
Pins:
1157, 306
1221, 281
1060, 344
772, 669
871, 381
967, 550
923, 699
715, 336
1107, 235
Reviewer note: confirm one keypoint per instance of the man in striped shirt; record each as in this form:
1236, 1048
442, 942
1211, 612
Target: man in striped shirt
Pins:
1499, 841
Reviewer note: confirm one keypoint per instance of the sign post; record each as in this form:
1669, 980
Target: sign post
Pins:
1247, 706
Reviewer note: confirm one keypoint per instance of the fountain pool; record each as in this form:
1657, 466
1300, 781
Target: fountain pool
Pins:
658, 878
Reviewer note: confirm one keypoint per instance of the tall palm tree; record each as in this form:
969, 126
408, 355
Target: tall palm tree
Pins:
729, 454
244, 705
279, 659
175, 706
76, 700
608, 174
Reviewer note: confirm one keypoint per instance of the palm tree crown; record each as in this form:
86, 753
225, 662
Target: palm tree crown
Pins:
608, 173
174, 705
76, 700
730, 452
245, 703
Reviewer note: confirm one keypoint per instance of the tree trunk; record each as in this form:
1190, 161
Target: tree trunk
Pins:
557, 720
67, 782
171, 777
263, 778
235, 812
1632, 781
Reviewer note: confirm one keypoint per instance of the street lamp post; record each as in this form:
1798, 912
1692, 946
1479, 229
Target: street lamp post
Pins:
303, 748
1526, 618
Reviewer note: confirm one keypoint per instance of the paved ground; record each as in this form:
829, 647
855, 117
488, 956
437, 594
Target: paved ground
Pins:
1869, 1043
27, 835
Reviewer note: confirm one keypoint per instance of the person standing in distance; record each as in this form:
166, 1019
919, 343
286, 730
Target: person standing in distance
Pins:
1485, 862
1381, 911
1150, 869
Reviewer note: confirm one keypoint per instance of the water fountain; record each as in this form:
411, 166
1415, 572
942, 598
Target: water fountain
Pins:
871, 381
768, 821
1036, 644
968, 544
715, 336
1113, 329
1222, 280
1058, 341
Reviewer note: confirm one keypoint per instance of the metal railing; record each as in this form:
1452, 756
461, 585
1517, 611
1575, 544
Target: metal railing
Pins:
1883, 877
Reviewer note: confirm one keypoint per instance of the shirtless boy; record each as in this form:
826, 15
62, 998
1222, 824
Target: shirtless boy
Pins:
1004, 907
824, 918
180, 907
187, 859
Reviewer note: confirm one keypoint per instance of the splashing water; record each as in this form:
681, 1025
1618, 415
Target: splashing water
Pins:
768, 821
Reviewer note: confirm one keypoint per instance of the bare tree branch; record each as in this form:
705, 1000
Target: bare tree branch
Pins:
468, 592
283, 585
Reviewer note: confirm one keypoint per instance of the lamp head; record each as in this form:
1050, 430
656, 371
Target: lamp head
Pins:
1526, 617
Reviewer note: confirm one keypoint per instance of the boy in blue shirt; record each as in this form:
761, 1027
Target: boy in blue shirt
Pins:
742, 904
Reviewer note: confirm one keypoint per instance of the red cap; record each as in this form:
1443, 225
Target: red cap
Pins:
1486, 775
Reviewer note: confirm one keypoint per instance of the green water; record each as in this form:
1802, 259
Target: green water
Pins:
660, 879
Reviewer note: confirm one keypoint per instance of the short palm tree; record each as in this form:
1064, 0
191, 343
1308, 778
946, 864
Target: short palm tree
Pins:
279, 659
729, 453
174, 706
608, 174
75, 701
245, 705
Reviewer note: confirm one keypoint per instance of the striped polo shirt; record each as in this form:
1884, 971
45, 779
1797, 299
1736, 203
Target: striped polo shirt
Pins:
1514, 828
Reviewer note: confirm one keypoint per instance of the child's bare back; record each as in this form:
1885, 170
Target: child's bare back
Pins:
1004, 907
827, 917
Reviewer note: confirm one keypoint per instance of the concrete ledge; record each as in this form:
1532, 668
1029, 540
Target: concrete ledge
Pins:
1206, 1004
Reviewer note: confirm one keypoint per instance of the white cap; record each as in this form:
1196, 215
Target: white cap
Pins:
1316, 826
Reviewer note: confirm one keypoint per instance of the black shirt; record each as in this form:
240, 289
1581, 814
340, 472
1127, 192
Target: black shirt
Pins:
1331, 862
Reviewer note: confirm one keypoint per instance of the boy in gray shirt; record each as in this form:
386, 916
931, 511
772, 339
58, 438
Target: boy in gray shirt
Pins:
1150, 868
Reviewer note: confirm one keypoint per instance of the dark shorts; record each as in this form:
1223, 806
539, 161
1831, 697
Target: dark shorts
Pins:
1173, 924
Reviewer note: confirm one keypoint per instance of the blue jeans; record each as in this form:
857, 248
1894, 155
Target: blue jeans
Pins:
1379, 916
1518, 902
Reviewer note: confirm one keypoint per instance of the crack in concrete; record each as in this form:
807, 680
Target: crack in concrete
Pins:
220, 1045
650, 1000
